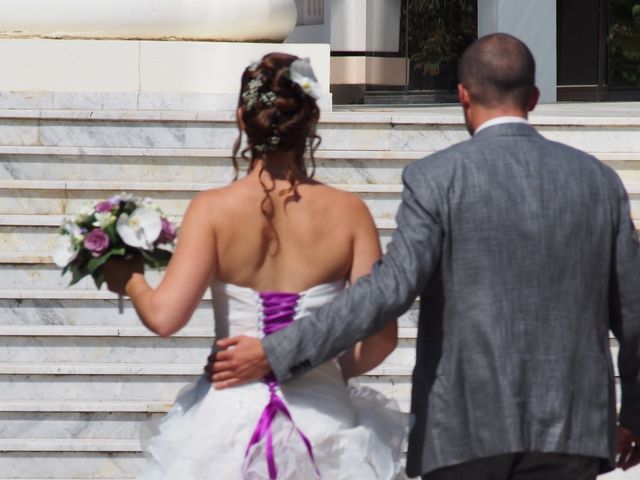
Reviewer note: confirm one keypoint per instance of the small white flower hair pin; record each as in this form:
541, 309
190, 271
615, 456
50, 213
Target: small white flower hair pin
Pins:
302, 74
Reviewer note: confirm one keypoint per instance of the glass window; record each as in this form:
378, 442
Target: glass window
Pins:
624, 44
438, 31
432, 36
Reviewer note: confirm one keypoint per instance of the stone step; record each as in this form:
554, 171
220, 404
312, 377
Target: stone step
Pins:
19, 243
161, 388
168, 187
82, 429
64, 427
9, 153
91, 466
367, 130
55, 465
155, 369
382, 205
126, 353
139, 357
213, 166
92, 313
121, 331
217, 130
28, 201
117, 406
44, 257
44, 406
85, 310
34, 220
68, 445
140, 188
189, 165
77, 154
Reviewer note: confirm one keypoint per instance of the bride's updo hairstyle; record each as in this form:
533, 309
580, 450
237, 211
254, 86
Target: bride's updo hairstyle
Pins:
278, 110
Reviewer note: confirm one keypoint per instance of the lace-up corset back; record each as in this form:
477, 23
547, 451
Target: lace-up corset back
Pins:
240, 310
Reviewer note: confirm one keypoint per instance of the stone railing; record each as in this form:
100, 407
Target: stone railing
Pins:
234, 20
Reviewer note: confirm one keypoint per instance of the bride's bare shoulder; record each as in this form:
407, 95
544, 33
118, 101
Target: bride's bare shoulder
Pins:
342, 201
220, 194
211, 201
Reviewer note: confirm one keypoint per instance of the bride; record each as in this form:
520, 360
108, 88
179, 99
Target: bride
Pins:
272, 246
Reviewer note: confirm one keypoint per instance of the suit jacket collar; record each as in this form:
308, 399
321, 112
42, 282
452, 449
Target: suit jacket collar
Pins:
507, 130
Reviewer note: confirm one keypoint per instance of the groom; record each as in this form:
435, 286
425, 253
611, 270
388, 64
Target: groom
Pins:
524, 255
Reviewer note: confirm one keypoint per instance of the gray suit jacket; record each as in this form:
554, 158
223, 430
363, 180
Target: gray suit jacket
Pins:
524, 255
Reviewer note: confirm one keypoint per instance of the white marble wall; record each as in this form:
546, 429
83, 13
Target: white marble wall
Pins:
148, 74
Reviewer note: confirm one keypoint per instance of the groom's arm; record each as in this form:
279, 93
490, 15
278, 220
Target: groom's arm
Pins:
625, 306
383, 295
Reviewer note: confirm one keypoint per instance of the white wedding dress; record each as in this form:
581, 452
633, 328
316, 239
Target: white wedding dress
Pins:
355, 433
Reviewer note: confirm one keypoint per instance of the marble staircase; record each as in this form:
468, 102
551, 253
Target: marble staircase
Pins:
76, 379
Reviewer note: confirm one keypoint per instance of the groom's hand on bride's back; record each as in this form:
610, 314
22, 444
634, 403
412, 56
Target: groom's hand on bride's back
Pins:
239, 360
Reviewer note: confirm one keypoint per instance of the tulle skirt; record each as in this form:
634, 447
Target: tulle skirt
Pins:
355, 433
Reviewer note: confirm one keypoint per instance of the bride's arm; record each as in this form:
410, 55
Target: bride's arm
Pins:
369, 353
167, 308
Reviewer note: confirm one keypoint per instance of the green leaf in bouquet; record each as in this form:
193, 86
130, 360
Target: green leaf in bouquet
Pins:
78, 272
149, 259
88, 223
96, 263
162, 256
157, 258
98, 277
111, 231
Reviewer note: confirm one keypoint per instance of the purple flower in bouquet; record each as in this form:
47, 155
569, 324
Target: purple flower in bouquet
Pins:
167, 232
105, 206
97, 242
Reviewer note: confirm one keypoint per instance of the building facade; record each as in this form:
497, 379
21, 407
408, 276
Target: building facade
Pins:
406, 51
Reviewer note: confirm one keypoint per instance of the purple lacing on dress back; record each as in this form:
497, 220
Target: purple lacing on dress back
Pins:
278, 312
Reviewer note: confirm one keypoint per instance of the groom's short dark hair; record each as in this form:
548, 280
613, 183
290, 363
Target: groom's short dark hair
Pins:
498, 69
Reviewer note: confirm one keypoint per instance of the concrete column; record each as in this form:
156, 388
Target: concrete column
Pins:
236, 20
533, 22
314, 22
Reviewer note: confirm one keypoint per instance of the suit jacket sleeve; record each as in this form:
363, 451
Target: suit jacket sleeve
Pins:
387, 292
625, 311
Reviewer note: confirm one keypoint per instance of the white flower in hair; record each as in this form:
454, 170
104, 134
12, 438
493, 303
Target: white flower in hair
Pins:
302, 74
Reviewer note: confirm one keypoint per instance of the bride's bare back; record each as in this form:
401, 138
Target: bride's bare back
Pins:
309, 239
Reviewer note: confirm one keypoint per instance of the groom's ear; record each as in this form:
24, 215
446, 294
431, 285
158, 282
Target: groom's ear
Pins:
535, 96
463, 96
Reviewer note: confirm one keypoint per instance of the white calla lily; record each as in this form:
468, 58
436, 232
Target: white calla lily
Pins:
65, 251
302, 74
140, 229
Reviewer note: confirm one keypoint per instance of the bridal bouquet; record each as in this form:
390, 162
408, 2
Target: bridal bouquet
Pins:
121, 226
